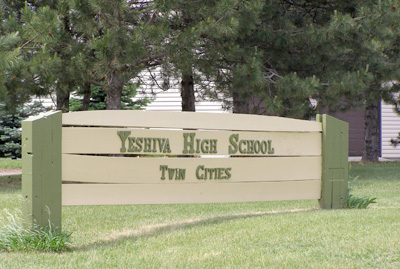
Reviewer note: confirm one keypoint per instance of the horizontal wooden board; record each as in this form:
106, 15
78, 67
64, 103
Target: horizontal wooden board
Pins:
189, 120
107, 141
120, 194
97, 169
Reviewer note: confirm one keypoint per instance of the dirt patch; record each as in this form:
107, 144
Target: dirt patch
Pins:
10, 171
10, 178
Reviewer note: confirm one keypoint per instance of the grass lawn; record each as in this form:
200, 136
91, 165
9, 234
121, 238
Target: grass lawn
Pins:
293, 234
8, 163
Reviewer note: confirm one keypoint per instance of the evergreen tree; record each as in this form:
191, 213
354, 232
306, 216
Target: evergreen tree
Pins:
281, 54
201, 46
70, 45
375, 49
12, 64
122, 38
338, 53
10, 128
97, 100
43, 49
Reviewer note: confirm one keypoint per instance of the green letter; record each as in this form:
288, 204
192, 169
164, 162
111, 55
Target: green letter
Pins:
228, 173
163, 168
155, 144
132, 147
257, 146
241, 142
147, 144
198, 145
233, 140
167, 148
123, 135
198, 170
263, 147
182, 173
139, 142
213, 145
171, 173
187, 143
250, 146
270, 148
161, 142
204, 148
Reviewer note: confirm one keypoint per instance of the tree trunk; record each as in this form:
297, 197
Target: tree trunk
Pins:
240, 104
86, 96
372, 139
63, 100
187, 93
114, 92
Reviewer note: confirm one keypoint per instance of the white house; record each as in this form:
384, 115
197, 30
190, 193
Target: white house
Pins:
390, 128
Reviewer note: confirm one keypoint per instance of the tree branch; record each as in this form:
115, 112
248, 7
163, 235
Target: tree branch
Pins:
147, 60
94, 82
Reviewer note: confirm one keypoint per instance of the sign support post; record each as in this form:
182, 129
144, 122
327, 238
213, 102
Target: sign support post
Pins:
335, 144
41, 170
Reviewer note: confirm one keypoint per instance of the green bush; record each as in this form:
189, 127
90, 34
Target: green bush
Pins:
98, 99
10, 128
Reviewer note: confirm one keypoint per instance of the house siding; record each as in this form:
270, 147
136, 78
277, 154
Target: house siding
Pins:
390, 129
355, 119
171, 101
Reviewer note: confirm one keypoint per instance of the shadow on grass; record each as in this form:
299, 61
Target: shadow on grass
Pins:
117, 237
10, 182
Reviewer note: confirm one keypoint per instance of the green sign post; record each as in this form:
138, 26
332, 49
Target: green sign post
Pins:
41, 169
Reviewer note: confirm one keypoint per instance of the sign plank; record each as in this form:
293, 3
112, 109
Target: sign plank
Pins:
121, 194
189, 120
81, 140
98, 169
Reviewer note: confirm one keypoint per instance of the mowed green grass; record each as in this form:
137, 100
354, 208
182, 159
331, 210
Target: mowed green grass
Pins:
293, 234
8, 163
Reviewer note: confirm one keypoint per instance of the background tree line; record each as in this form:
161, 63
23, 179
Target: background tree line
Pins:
272, 57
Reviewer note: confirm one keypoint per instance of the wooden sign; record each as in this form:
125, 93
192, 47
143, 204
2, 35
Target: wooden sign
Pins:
142, 157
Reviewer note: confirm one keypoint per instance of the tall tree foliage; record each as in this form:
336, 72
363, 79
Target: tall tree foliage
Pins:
46, 51
374, 49
281, 54
201, 47
122, 38
71, 45
13, 67
338, 53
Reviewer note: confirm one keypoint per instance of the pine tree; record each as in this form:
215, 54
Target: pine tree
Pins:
280, 54
42, 69
384, 67
338, 53
201, 46
12, 64
122, 38
70, 45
